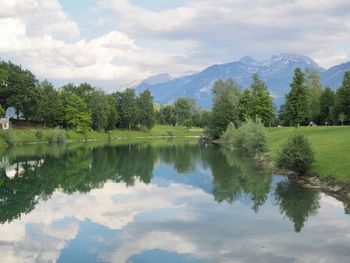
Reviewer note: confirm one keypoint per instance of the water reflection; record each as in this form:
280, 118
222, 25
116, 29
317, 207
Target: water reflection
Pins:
296, 203
160, 201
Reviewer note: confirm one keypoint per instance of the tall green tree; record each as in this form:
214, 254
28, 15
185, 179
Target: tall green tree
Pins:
18, 89
343, 96
327, 106
261, 105
51, 111
314, 88
167, 115
245, 103
146, 114
296, 101
225, 107
184, 109
127, 104
100, 109
113, 114
77, 115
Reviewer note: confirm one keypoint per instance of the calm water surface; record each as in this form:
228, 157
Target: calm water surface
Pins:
164, 201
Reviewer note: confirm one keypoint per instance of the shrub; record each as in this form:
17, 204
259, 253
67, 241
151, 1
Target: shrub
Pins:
296, 155
9, 138
188, 123
249, 139
230, 135
170, 133
57, 136
39, 134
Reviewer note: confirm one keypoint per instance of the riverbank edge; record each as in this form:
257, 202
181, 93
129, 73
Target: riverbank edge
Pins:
312, 180
29, 137
103, 140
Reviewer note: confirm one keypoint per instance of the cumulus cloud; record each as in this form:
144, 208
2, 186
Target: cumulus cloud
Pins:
132, 42
225, 29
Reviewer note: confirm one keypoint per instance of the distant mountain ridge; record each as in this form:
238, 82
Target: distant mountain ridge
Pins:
277, 72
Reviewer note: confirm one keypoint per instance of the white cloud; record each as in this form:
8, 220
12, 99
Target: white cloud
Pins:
136, 42
198, 227
230, 29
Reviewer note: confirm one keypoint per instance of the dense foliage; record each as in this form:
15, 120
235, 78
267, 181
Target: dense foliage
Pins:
184, 112
249, 139
296, 101
225, 107
84, 107
308, 102
79, 107
296, 155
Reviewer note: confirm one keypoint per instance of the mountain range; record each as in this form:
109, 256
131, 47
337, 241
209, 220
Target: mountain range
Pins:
277, 72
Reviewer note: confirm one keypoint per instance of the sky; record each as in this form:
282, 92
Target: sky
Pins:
116, 43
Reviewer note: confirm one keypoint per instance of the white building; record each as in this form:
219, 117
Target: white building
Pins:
4, 123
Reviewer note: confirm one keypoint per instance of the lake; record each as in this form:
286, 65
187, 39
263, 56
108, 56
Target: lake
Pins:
160, 201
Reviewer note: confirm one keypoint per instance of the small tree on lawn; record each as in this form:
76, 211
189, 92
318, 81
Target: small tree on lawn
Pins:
342, 118
296, 155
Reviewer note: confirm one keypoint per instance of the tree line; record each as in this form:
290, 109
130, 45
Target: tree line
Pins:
84, 107
307, 101
81, 107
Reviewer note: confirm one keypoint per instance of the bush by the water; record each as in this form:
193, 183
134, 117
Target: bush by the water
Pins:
9, 138
296, 155
57, 136
39, 134
250, 138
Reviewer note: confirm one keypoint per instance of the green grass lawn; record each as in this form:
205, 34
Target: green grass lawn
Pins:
331, 146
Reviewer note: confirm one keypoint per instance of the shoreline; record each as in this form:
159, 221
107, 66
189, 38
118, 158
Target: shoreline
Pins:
312, 180
21, 137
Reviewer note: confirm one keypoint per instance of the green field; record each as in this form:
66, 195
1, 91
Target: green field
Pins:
28, 136
331, 146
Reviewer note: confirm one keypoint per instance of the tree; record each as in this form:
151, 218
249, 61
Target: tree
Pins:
313, 85
127, 104
18, 89
225, 107
113, 115
342, 117
51, 111
84, 90
77, 115
184, 109
188, 124
327, 106
100, 109
343, 96
201, 118
260, 106
2, 112
245, 103
167, 115
296, 102
296, 155
146, 114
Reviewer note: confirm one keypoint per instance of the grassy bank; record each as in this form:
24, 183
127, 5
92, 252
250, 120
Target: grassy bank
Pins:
29, 136
331, 146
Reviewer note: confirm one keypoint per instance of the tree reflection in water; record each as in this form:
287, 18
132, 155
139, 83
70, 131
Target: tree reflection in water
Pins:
296, 203
32, 173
